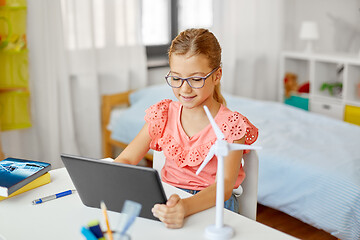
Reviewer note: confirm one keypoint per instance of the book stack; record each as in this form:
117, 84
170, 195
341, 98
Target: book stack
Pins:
20, 175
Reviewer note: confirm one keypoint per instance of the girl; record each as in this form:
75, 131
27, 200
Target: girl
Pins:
183, 132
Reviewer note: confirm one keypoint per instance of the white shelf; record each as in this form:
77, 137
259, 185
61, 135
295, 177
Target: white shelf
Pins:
320, 68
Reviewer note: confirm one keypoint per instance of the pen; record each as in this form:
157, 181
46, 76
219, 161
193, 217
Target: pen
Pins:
103, 208
51, 197
88, 234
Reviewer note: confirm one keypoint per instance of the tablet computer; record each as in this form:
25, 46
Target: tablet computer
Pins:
111, 182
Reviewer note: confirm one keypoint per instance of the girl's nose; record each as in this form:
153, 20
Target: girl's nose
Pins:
186, 87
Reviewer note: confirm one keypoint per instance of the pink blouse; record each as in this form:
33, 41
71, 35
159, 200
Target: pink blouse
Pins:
185, 154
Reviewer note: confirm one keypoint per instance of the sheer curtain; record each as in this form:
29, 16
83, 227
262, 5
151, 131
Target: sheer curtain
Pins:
250, 33
78, 50
103, 40
52, 130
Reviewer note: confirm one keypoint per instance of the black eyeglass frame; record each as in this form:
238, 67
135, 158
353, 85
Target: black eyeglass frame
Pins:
186, 79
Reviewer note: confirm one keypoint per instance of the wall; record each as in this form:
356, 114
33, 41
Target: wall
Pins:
338, 21
157, 75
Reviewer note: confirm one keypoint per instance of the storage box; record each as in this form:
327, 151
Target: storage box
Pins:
298, 101
14, 69
328, 108
14, 110
352, 114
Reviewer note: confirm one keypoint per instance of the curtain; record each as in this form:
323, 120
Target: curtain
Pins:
105, 56
52, 130
250, 33
78, 50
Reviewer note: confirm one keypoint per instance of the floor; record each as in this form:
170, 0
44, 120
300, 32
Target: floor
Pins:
290, 225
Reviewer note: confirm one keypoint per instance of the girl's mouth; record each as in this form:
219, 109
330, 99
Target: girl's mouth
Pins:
187, 98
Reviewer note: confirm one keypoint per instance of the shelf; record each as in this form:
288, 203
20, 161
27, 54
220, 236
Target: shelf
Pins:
326, 99
24, 50
352, 88
353, 103
299, 67
326, 57
14, 7
297, 55
320, 68
3, 90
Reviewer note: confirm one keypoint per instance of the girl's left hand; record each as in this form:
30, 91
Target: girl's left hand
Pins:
172, 213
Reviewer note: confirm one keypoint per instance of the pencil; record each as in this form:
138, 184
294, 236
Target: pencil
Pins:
103, 208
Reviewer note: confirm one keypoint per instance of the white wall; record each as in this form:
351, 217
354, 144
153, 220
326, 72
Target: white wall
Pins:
340, 34
157, 75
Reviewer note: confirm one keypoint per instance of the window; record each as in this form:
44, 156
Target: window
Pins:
102, 23
162, 20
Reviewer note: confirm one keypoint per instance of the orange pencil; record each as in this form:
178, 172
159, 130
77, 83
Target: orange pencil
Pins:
104, 210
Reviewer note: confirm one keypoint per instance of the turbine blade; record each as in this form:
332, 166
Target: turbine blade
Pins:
209, 156
219, 134
237, 146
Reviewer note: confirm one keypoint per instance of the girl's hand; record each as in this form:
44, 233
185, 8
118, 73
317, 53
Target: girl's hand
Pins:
172, 213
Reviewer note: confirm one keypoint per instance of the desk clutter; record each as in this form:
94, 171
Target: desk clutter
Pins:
20, 175
129, 212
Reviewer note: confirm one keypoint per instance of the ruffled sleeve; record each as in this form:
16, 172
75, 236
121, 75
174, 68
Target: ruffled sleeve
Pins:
237, 126
156, 116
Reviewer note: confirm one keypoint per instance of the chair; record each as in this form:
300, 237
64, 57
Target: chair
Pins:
247, 191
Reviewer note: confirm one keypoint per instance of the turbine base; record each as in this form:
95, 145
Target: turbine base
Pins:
214, 233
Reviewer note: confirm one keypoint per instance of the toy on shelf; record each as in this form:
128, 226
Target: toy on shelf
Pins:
335, 89
292, 87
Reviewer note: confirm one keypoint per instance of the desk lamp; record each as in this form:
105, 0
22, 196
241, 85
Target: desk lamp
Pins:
221, 149
309, 32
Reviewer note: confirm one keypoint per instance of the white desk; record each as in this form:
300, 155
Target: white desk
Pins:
62, 218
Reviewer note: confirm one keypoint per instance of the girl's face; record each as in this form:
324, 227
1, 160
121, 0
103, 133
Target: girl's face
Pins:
194, 66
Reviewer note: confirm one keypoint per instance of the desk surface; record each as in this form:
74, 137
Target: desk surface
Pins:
62, 218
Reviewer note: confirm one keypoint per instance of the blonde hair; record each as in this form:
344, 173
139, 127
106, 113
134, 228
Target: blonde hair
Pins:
197, 41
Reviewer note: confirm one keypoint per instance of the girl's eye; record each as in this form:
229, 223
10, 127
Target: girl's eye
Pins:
196, 79
175, 78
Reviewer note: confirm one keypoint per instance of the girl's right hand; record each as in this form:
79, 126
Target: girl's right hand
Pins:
172, 214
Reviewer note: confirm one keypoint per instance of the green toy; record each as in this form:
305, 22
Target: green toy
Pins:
333, 88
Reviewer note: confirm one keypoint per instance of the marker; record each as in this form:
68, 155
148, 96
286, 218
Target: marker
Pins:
51, 197
94, 227
88, 234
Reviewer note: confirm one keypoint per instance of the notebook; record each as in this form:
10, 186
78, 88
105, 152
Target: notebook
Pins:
113, 183
15, 173
42, 180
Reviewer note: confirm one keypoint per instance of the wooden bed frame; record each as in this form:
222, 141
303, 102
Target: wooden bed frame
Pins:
109, 102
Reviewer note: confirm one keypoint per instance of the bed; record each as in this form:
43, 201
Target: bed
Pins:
309, 165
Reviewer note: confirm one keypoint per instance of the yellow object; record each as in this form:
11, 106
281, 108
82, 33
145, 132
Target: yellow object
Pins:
352, 114
14, 76
14, 110
42, 180
14, 69
108, 229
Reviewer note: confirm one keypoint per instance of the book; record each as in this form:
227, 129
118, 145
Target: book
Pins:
15, 173
42, 180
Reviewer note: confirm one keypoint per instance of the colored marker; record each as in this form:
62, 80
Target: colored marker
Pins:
94, 227
88, 234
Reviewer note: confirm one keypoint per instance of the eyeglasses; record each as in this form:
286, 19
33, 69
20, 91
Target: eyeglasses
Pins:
194, 82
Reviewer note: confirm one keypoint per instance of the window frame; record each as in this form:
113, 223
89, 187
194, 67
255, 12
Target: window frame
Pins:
160, 51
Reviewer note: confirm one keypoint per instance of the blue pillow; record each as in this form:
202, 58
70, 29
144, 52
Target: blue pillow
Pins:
129, 123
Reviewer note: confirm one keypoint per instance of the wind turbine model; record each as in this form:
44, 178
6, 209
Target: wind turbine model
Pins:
221, 149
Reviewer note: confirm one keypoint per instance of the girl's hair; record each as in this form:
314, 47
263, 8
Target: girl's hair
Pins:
197, 41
